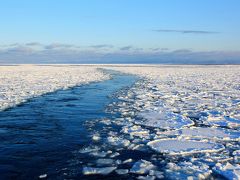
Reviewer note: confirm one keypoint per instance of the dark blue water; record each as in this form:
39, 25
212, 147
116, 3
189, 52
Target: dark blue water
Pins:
38, 136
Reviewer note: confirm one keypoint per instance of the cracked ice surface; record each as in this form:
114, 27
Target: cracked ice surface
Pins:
19, 83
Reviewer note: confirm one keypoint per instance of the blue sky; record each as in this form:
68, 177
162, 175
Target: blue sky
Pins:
111, 30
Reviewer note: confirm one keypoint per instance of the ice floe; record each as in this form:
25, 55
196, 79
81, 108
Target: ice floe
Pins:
228, 170
104, 161
207, 133
118, 141
163, 120
183, 147
101, 171
142, 167
122, 171
187, 170
135, 131
236, 155
222, 121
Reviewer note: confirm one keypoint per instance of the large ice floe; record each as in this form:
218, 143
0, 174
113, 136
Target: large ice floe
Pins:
22, 82
182, 147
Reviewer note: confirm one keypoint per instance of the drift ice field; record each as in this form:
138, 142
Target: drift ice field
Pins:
120, 122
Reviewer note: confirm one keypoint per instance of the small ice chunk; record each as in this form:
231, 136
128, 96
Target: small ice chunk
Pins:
236, 155
127, 161
96, 137
187, 170
117, 141
208, 133
101, 171
42, 176
228, 170
104, 161
99, 154
164, 120
135, 131
182, 147
122, 171
89, 149
114, 155
142, 167
146, 177
106, 121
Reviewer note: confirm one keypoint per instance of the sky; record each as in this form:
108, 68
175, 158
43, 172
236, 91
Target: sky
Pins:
120, 31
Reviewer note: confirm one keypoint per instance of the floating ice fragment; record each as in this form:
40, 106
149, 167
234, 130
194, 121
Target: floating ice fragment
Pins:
229, 171
127, 161
104, 161
163, 120
117, 141
222, 121
122, 171
89, 149
96, 137
236, 155
187, 170
102, 171
182, 147
114, 155
43, 176
158, 174
135, 131
207, 132
142, 167
98, 153
146, 177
